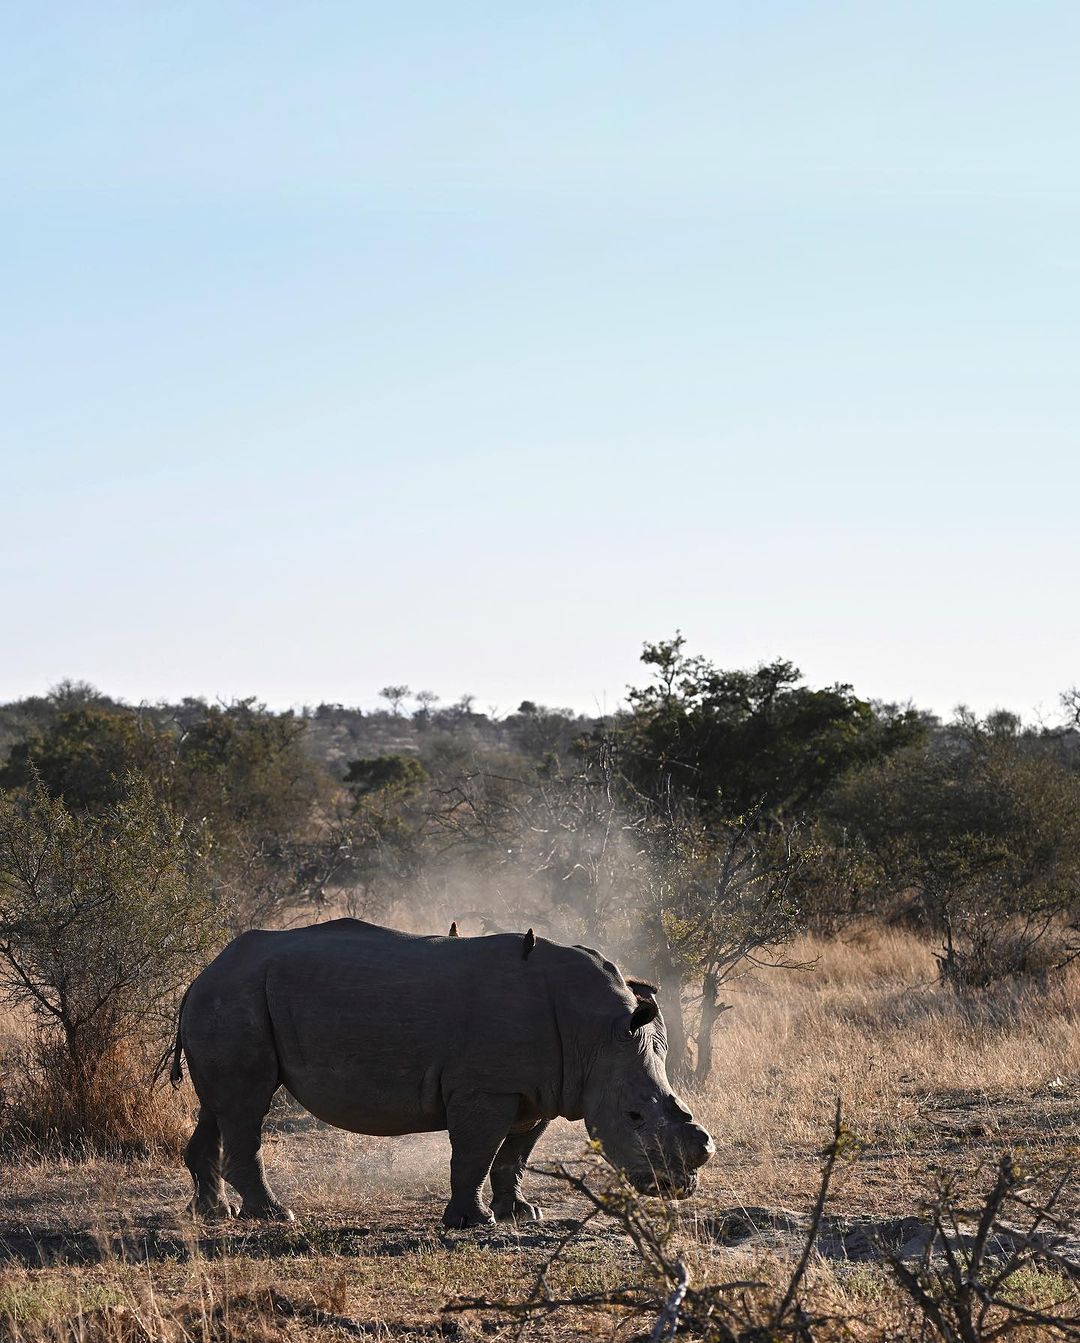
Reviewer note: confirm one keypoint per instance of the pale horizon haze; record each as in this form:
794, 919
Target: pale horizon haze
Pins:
474, 345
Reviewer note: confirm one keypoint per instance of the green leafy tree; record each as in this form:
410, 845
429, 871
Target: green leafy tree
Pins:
86, 754
749, 742
244, 774
395, 695
244, 766
985, 829
399, 776
425, 706
384, 835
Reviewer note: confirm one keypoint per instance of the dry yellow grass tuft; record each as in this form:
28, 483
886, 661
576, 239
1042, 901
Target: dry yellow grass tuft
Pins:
923, 1074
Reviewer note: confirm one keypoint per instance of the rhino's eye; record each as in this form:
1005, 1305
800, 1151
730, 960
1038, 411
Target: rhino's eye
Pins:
635, 1117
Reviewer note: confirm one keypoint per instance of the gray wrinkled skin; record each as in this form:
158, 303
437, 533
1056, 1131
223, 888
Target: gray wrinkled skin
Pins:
382, 1032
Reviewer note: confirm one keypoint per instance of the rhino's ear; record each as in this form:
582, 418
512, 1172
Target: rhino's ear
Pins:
640, 989
528, 942
453, 930
645, 1012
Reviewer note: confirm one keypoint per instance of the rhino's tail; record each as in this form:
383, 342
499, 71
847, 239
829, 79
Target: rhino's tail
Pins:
176, 1073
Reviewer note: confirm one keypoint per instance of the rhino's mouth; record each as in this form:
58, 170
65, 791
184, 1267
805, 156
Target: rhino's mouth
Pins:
661, 1185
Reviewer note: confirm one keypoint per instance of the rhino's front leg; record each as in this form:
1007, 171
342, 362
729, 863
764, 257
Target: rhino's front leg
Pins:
477, 1124
509, 1166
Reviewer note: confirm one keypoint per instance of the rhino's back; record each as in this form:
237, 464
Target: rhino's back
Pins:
348, 960
352, 947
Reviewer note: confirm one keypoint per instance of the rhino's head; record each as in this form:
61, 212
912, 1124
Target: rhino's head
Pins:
643, 1127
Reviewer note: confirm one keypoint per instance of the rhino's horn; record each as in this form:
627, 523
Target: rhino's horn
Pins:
453, 930
527, 944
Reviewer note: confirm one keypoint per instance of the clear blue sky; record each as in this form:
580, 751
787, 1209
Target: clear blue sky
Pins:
471, 345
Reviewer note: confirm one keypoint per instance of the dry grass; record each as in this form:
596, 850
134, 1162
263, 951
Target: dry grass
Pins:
924, 1076
926, 1080
48, 1106
44, 1113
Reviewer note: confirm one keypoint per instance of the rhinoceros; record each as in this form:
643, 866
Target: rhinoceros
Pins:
384, 1032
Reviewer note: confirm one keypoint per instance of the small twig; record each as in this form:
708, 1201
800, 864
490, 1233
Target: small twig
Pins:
831, 1154
668, 1319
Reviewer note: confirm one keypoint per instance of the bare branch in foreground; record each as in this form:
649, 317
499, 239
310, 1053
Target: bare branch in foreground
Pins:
726, 1312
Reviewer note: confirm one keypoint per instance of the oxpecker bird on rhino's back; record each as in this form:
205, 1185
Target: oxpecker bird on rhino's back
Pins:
383, 1032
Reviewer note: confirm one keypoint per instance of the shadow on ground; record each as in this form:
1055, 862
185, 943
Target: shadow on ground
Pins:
32, 1248
850, 1239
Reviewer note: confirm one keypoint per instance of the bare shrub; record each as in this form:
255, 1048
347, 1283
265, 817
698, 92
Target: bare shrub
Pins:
737, 1311
716, 901
983, 945
557, 847
962, 1285
100, 924
968, 1286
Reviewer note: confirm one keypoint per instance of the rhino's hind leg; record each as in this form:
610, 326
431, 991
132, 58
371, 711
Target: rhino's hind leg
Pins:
507, 1169
234, 1069
241, 1137
478, 1125
203, 1157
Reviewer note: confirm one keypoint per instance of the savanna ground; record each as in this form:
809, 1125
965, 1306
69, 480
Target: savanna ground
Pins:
101, 1250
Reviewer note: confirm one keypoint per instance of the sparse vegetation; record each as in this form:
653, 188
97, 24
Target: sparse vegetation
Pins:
886, 904
931, 1082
